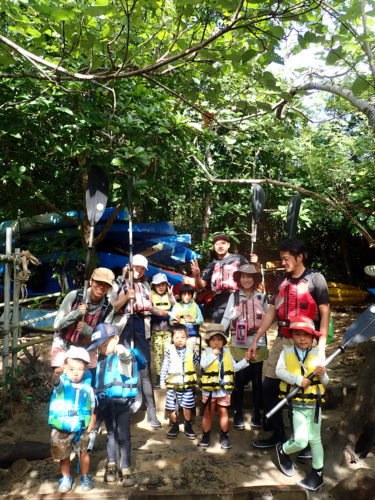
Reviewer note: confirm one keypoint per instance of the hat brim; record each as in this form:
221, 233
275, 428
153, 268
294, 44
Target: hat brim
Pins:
287, 332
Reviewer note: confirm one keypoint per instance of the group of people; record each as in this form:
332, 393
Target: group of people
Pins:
102, 351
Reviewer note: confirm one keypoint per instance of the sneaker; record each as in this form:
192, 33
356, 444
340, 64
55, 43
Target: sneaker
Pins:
225, 442
87, 483
305, 454
173, 431
314, 481
110, 475
285, 463
127, 478
256, 420
152, 418
65, 484
205, 441
238, 422
188, 430
269, 443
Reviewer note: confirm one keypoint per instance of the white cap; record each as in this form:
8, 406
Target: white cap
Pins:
78, 353
140, 260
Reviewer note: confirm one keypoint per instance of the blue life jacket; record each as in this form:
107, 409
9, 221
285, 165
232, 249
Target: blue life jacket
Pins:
70, 408
111, 383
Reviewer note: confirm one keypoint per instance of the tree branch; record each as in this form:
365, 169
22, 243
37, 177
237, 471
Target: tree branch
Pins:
287, 185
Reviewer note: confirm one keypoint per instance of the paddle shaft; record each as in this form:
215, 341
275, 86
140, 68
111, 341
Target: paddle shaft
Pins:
87, 265
131, 274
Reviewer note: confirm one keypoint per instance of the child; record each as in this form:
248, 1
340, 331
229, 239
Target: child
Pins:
244, 312
217, 381
188, 313
71, 416
294, 365
179, 378
136, 328
116, 388
162, 302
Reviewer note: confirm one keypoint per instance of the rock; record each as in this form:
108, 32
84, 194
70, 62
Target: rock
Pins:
19, 468
359, 485
5, 480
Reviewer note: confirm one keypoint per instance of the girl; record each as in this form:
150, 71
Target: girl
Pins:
217, 381
244, 312
135, 328
162, 302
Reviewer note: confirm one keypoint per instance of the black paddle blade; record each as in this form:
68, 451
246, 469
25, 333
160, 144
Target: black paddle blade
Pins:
362, 329
96, 194
292, 215
258, 201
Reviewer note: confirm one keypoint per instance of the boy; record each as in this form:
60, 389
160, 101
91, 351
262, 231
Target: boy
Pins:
217, 381
71, 416
188, 313
116, 388
179, 378
293, 367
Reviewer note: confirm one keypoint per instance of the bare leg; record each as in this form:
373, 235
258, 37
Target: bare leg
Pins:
208, 414
85, 463
224, 418
65, 466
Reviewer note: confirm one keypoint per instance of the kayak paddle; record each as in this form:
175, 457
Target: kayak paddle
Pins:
258, 201
292, 215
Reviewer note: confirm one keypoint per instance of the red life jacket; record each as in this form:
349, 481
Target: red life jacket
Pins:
250, 310
294, 299
71, 334
142, 301
222, 276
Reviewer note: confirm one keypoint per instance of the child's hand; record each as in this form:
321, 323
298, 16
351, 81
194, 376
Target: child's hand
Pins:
120, 349
83, 309
248, 355
163, 386
305, 382
189, 319
320, 370
178, 317
80, 326
216, 351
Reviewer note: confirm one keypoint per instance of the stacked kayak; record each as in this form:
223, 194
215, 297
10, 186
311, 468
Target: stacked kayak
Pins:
341, 294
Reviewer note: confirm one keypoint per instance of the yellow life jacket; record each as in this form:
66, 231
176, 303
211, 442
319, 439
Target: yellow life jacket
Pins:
211, 380
181, 373
314, 392
161, 301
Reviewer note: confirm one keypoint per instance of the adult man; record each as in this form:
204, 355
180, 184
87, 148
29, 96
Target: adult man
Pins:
75, 321
219, 274
301, 291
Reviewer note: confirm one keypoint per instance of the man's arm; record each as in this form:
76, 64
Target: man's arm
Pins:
324, 311
196, 272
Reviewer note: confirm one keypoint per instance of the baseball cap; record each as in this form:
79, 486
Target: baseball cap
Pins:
220, 236
103, 274
101, 333
159, 278
78, 353
140, 260
301, 323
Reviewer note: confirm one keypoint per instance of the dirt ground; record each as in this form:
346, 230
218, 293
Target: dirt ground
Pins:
179, 465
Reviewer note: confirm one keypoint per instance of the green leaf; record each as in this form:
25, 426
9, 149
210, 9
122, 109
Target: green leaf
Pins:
360, 85
59, 14
248, 54
65, 110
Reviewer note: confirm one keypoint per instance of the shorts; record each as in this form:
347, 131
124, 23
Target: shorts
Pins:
222, 401
62, 443
175, 399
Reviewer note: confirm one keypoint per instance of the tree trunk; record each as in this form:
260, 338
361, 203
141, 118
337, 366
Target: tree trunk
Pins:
356, 435
206, 216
